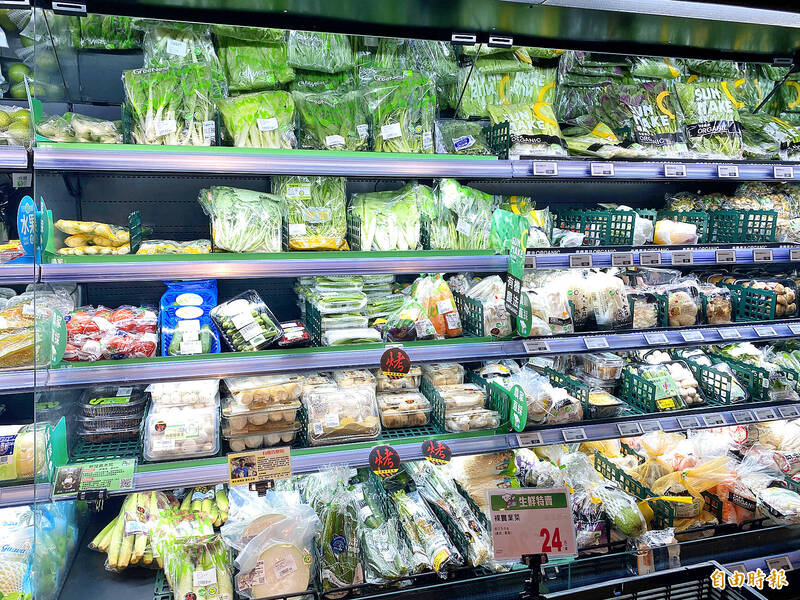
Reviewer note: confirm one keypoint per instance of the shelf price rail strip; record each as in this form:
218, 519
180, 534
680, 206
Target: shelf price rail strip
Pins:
214, 470
18, 274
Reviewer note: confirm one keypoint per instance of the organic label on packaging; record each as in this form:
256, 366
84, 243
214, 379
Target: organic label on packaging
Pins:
334, 140
445, 306
176, 48
270, 124
391, 131
453, 320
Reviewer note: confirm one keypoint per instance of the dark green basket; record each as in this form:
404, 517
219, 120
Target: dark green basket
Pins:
498, 398
755, 379
471, 312
574, 386
648, 213
499, 139
737, 226
692, 217
599, 227
752, 304
84, 451
313, 322
641, 393
353, 230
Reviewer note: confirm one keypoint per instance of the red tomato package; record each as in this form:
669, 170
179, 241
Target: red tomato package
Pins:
102, 333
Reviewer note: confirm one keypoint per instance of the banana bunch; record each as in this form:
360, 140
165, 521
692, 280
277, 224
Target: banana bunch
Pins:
212, 500
126, 539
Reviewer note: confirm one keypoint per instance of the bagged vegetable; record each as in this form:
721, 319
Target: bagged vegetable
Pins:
390, 220
316, 211
711, 113
651, 67
533, 128
316, 82
454, 136
170, 43
253, 64
332, 120
104, 32
315, 51
259, 120
668, 232
243, 220
471, 210
246, 323
72, 127
433, 293
490, 292
491, 84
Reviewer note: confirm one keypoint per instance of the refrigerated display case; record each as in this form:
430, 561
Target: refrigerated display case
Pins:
233, 224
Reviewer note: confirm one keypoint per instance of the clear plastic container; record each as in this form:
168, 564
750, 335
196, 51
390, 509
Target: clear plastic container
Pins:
463, 396
112, 401
101, 435
330, 303
246, 322
471, 419
593, 383
403, 409
261, 436
237, 417
438, 374
351, 377
603, 405
199, 393
340, 415
409, 382
109, 424
263, 391
603, 365
180, 432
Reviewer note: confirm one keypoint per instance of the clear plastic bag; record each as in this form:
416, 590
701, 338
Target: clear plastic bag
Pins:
315, 51
490, 292
533, 129
683, 301
332, 120
315, 210
252, 63
717, 305
243, 220
390, 220
151, 247
337, 303
668, 232
259, 119
455, 136
433, 293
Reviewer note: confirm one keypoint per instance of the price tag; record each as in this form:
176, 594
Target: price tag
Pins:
789, 412
765, 331
674, 170
629, 429
729, 334
259, 468
109, 475
384, 460
622, 259
765, 414
580, 260
725, 256
649, 258
530, 261
779, 562
535, 346
682, 257
728, 170
533, 438
21, 180
794, 254
574, 435
741, 568
650, 426
546, 169
689, 422
692, 336
436, 452
782, 172
762, 255
742, 416
531, 521
715, 420
602, 169
595, 343
794, 328
656, 338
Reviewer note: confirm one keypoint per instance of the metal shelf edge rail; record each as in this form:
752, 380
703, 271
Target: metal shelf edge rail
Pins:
13, 157
18, 381
20, 495
18, 274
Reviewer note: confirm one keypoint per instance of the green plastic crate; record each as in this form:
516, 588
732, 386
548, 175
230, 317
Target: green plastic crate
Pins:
641, 393
472, 317
84, 451
738, 226
313, 322
599, 227
662, 309
692, 217
575, 387
716, 386
751, 304
499, 139
498, 397
755, 379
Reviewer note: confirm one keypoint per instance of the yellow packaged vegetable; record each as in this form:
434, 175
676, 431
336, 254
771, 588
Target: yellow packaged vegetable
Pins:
117, 235
95, 251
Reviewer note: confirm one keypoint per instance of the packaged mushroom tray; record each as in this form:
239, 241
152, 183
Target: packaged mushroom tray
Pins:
264, 391
387, 384
197, 394
438, 374
338, 415
264, 435
173, 433
403, 409
464, 408
237, 416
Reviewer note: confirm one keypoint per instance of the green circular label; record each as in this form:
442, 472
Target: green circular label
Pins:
518, 411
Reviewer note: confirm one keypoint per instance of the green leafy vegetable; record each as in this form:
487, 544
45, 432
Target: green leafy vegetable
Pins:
251, 65
533, 128
711, 112
722, 69
454, 136
471, 214
789, 94
314, 51
403, 107
485, 88
389, 220
311, 81
768, 137
104, 32
316, 211
254, 34
652, 67
243, 220
260, 120
332, 120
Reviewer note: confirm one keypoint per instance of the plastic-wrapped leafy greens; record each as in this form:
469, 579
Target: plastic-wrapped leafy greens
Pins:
254, 59
315, 209
312, 81
754, 88
472, 210
506, 226
536, 52
485, 87
789, 94
72, 127
533, 128
332, 120
104, 32
454, 136
372, 55
437, 60
573, 102
390, 220
243, 220
711, 114
591, 138
722, 69
440, 221
768, 137
260, 119
403, 107
315, 51
651, 67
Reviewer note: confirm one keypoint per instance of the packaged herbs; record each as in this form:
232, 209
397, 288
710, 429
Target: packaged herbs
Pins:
332, 120
454, 136
711, 113
316, 211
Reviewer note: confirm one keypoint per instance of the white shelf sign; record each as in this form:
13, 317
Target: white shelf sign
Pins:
689, 422
535, 346
656, 338
546, 169
682, 257
533, 438
674, 170
789, 412
742, 416
725, 256
574, 435
729, 334
692, 336
782, 172
715, 420
780, 562
765, 414
650, 426
602, 169
629, 429
530, 261
762, 255
728, 170
794, 254
595, 343
622, 259
765, 331
794, 328
531, 521
580, 260
649, 258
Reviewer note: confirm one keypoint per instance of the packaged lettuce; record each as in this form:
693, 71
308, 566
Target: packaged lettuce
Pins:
722, 69
588, 137
652, 67
251, 65
455, 136
472, 212
546, 53
768, 137
262, 35
315, 209
312, 81
534, 84
315, 51
789, 94
711, 114
533, 129
332, 120
260, 119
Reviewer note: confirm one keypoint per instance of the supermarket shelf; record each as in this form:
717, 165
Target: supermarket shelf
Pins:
368, 355
16, 381
13, 157
152, 159
20, 495
13, 273
766, 563
220, 266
